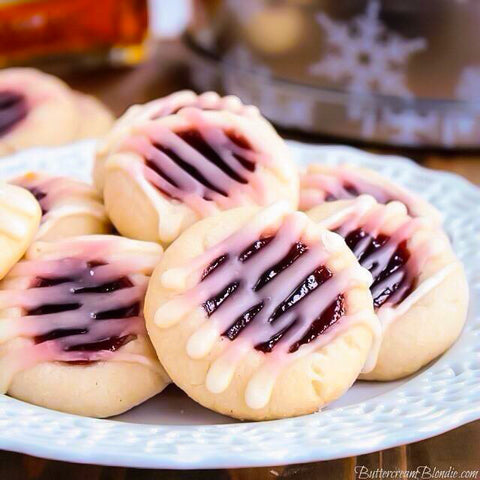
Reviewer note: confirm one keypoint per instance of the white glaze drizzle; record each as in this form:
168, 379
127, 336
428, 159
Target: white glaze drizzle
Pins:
165, 106
364, 212
388, 314
168, 184
68, 259
317, 185
63, 197
187, 188
287, 229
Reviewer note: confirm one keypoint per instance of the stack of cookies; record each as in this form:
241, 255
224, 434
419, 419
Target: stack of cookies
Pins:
205, 257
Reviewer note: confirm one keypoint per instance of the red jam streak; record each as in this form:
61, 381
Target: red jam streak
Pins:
391, 281
40, 196
295, 252
181, 180
348, 191
318, 277
84, 292
174, 111
325, 320
213, 303
214, 265
111, 344
13, 109
314, 280
240, 323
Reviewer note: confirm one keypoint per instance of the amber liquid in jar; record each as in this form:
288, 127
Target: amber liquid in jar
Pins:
73, 30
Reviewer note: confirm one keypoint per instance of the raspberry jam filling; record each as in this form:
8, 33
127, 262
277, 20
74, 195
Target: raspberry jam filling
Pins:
88, 310
195, 165
274, 289
323, 322
60, 196
13, 109
391, 281
344, 192
39, 190
284, 314
174, 111
342, 183
40, 197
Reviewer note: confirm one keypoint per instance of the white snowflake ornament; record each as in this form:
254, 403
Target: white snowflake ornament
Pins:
410, 127
468, 87
461, 126
365, 55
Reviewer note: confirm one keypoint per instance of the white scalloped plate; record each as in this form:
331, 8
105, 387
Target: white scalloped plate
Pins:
171, 431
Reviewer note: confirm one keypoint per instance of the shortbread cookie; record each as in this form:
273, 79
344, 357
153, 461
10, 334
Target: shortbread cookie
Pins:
35, 109
175, 170
158, 108
95, 120
69, 207
419, 290
72, 333
326, 183
261, 314
19, 219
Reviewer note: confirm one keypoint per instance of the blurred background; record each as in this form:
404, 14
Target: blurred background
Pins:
388, 72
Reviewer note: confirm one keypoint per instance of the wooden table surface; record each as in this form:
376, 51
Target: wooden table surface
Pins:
457, 450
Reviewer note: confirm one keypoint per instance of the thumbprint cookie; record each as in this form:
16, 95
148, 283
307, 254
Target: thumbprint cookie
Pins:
326, 183
162, 107
35, 109
95, 120
20, 217
175, 170
261, 314
419, 289
69, 207
72, 332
